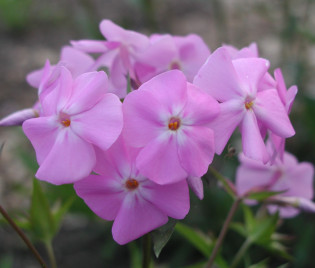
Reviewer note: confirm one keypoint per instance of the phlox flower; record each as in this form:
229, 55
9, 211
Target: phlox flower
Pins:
117, 53
166, 52
120, 192
295, 179
235, 83
76, 115
287, 97
169, 119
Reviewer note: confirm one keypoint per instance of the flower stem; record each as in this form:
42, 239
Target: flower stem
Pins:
241, 253
146, 249
51, 254
222, 234
23, 237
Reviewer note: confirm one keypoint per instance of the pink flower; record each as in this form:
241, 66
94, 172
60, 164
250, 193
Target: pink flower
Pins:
166, 52
168, 118
118, 53
234, 83
296, 179
287, 97
76, 115
120, 192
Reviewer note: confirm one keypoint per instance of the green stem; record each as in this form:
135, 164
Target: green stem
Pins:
239, 255
23, 237
146, 249
51, 254
223, 232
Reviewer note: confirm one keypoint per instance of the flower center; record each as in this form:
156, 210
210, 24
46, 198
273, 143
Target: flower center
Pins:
132, 184
174, 123
66, 122
175, 66
248, 104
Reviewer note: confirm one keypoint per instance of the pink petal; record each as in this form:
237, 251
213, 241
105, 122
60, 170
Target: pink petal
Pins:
159, 161
90, 46
218, 77
88, 89
196, 149
196, 186
200, 108
69, 160
253, 144
231, 114
143, 119
270, 111
169, 89
102, 124
34, 78
18, 117
76, 61
42, 132
250, 71
113, 32
290, 96
171, 199
99, 193
135, 218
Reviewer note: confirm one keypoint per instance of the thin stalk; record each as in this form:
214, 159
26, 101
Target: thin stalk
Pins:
223, 232
23, 237
51, 254
239, 255
146, 250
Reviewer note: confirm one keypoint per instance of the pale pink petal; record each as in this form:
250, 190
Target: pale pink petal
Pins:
218, 77
18, 117
88, 89
102, 124
196, 186
142, 118
69, 160
113, 32
169, 89
42, 133
90, 46
171, 199
282, 89
159, 161
290, 96
270, 111
250, 71
253, 144
76, 61
230, 116
200, 108
100, 195
196, 149
34, 78
135, 218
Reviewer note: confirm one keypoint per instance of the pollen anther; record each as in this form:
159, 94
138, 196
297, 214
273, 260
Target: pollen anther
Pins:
174, 123
66, 122
248, 104
132, 184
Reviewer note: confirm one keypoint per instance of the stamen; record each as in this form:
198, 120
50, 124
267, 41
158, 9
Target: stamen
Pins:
174, 123
132, 184
66, 122
249, 104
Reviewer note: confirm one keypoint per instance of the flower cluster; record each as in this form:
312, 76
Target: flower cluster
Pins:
134, 138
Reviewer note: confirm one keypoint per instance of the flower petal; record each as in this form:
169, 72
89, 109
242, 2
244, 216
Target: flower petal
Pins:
99, 193
135, 218
270, 111
253, 144
159, 162
69, 160
102, 124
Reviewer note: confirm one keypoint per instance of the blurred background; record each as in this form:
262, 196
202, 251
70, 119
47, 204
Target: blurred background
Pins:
33, 30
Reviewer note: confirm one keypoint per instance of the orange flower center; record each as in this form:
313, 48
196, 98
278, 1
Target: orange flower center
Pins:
66, 122
174, 123
249, 104
132, 184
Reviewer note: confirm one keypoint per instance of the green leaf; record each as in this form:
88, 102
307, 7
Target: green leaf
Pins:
261, 264
262, 195
249, 219
6, 261
162, 235
135, 255
41, 219
227, 185
239, 228
61, 211
199, 240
